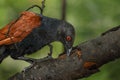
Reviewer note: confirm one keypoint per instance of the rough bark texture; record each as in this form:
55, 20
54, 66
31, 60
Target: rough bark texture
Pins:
85, 60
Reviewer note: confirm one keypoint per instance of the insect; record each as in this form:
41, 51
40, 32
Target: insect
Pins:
30, 32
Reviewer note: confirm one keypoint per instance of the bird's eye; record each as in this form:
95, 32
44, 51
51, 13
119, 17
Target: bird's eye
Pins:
68, 38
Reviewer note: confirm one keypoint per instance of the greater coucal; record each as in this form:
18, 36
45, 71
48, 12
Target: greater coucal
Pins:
30, 32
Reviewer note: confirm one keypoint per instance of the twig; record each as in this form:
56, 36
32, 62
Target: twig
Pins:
63, 16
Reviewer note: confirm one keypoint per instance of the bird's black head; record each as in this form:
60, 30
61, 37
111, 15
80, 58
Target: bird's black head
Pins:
66, 35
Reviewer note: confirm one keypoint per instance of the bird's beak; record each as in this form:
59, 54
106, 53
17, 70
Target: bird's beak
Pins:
68, 51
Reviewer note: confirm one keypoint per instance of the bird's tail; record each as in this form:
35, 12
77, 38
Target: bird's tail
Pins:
3, 53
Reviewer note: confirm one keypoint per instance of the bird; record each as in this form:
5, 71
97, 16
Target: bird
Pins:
31, 32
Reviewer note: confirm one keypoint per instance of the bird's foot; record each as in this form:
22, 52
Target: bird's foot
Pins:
44, 59
29, 60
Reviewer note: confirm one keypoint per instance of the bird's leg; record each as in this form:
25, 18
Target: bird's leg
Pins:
29, 60
51, 48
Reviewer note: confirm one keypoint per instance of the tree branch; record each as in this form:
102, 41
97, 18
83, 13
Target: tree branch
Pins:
64, 5
85, 60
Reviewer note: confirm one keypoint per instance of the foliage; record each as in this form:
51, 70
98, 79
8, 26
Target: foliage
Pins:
89, 17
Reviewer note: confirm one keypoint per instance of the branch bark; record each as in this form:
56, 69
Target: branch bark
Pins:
86, 58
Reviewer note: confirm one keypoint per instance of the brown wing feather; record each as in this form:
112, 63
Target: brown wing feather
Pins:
20, 29
3, 31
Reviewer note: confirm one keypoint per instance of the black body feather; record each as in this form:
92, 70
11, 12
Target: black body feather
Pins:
51, 30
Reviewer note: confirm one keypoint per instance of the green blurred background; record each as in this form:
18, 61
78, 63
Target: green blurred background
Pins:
89, 17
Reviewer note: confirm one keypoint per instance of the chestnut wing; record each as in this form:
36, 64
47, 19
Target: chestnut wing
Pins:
20, 28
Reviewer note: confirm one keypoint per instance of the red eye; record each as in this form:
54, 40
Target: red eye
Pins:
68, 38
